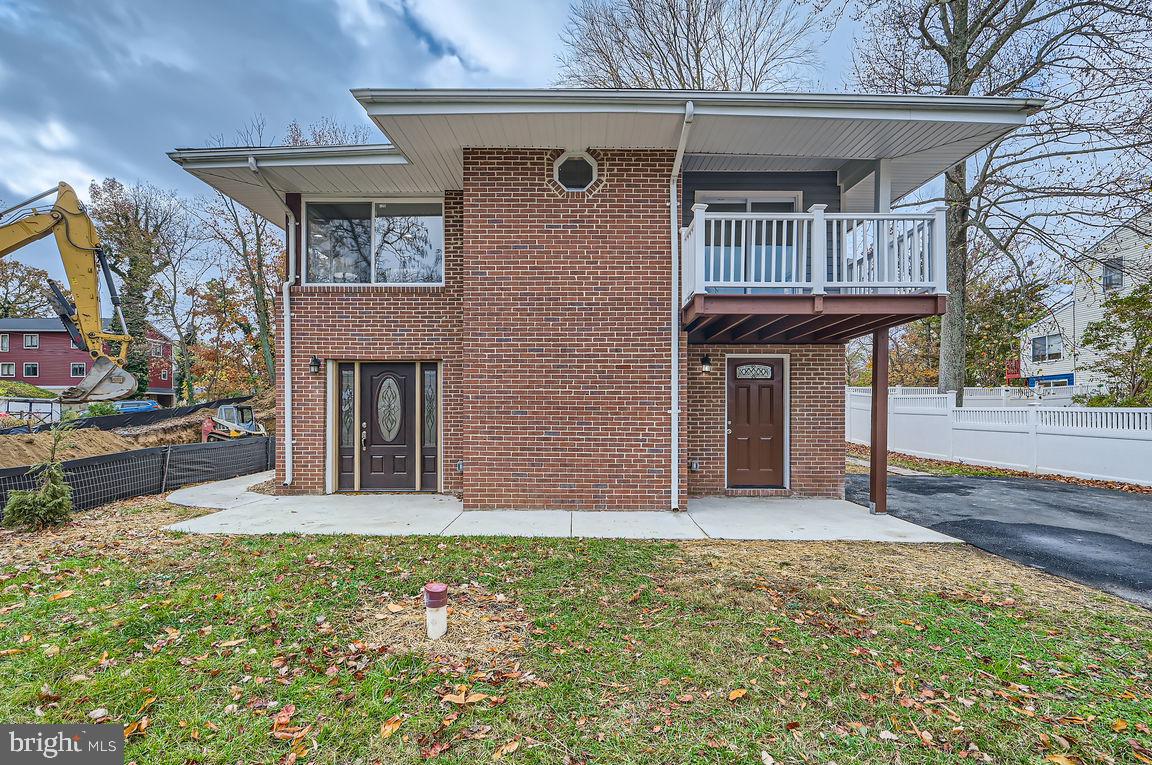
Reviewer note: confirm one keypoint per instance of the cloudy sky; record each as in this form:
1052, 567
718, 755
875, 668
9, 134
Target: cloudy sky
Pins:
96, 88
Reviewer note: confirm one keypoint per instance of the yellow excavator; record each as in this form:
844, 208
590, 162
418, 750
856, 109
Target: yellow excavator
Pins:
84, 260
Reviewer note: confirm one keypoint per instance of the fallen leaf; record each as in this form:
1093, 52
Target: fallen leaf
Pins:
232, 643
390, 726
1063, 759
52, 650
394, 608
1120, 725
96, 714
506, 749
739, 693
147, 703
767, 759
61, 595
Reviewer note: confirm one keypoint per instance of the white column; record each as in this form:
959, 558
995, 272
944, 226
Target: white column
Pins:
939, 250
819, 248
698, 211
882, 186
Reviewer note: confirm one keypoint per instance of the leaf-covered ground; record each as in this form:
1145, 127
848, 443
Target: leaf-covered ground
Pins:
261, 650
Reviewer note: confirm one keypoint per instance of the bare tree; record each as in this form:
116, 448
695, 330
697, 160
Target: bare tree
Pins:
1075, 172
176, 304
327, 132
689, 44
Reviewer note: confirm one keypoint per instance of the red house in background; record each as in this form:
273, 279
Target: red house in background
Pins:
40, 352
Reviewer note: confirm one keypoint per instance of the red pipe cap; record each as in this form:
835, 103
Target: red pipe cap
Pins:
435, 595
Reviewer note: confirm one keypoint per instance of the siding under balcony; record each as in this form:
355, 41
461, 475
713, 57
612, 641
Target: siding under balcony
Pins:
811, 277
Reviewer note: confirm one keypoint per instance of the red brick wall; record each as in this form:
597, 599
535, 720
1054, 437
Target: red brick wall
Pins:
566, 333
374, 324
816, 396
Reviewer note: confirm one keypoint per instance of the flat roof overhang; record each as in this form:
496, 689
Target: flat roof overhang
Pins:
795, 319
921, 135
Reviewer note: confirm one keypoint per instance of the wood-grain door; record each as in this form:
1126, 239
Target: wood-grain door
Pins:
755, 423
388, 425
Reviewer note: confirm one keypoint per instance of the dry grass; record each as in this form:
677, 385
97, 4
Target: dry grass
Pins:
483, 628
956, 571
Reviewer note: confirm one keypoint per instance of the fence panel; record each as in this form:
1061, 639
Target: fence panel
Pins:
107, 478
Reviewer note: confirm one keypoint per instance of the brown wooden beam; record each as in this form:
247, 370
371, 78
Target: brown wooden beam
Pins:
699, 322
878, 462
871, 324
779, 329
819, 334
719, 327
755, 325
912, 305
812, 323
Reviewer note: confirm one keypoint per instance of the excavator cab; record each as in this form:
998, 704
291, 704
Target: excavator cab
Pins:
84, 262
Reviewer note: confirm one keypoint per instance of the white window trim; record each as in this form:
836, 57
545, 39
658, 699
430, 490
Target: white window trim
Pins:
83, 367
5, 365
307, 200
31, 363
575, 155
787, 410
163, 374
722, 196
1047, 356
28, 335
5, 341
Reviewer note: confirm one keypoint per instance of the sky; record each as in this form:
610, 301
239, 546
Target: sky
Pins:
91, 89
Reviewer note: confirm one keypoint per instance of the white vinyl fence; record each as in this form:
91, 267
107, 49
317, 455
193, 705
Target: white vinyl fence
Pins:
1004, 396
1106, 444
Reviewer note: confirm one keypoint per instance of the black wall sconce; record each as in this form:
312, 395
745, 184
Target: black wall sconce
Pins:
314, 365
705, 363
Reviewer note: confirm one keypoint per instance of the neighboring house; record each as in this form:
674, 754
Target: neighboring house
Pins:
40, 352
595, 299
1051, 350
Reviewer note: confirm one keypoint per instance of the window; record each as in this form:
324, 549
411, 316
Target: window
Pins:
1113, 273
389, 243
79, 369
31, 341
163, 374
31, 369
73, 344
3, 343
155, 349
8, 369
575, 172
1047, 348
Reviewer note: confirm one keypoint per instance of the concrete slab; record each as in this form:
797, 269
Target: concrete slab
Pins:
222, 494
802, 519
635, 525
516, 523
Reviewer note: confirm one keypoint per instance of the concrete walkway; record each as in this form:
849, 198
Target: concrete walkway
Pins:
246, 512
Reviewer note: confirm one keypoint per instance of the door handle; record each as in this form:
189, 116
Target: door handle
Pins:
728, 431
363, 439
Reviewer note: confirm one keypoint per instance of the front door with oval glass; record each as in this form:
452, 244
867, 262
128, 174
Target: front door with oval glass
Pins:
387, 426
755, 423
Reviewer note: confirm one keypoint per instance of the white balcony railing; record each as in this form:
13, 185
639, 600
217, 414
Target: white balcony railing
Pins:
813, 253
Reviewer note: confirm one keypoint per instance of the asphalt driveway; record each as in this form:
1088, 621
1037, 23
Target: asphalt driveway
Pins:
1098, 537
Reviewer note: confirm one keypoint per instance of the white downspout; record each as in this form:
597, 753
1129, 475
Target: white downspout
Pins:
674, 208
286, 303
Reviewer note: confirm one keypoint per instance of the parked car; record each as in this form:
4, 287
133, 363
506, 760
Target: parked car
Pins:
128, 407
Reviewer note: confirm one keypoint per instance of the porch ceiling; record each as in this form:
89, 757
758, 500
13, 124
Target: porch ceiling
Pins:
794, 319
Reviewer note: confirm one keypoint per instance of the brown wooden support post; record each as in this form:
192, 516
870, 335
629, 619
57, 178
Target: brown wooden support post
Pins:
878, 465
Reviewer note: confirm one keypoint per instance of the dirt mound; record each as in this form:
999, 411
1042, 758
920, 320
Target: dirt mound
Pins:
29, 449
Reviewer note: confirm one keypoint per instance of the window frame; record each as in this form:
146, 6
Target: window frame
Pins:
31, 364
164, 374
372, 202
1047, 356
1117, 267
5, 364
83, 367
575, 155
5, 340
35, 336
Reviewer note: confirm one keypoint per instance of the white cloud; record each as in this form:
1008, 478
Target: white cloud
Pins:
362, 20
35, 157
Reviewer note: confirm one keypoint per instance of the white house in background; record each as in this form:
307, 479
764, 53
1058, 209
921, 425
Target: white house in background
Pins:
1051, 351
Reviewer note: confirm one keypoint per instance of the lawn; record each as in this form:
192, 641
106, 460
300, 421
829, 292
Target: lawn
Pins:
294, 649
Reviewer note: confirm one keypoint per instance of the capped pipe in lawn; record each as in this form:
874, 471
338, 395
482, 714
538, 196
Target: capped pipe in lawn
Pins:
436, 609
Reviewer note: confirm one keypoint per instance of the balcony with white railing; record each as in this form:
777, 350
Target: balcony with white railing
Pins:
814, 253
870, 270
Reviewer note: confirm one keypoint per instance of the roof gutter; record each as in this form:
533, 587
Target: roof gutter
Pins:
286, 304
674, 379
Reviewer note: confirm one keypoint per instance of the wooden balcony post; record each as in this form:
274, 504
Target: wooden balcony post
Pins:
819, 248
698, 253
940, 250
878, 454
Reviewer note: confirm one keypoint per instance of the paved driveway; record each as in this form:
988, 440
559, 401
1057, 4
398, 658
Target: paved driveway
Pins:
1099, 537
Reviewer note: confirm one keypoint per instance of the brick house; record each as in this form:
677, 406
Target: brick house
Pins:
40, 352
596, 299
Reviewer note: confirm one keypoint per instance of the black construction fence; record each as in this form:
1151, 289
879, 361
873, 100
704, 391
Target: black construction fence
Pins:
99, 480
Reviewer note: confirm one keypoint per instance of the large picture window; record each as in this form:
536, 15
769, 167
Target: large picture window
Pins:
388, 243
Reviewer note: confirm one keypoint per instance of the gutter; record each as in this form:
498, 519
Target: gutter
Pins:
674, 220
286, 303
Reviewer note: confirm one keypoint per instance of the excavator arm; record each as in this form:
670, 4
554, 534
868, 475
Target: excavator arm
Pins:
84, 263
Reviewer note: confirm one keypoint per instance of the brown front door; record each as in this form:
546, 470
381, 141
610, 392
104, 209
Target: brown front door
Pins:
387, 426
755, 423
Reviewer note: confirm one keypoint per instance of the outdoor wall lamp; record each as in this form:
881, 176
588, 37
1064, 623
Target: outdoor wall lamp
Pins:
314, 366
705, 363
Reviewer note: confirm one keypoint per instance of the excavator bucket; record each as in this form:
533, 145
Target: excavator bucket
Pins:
105, 382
